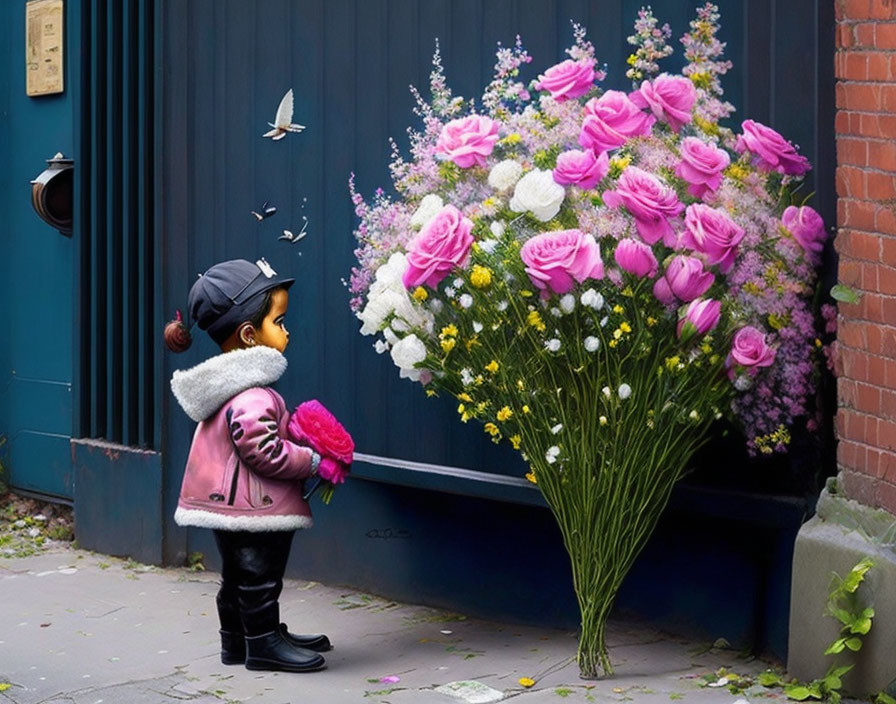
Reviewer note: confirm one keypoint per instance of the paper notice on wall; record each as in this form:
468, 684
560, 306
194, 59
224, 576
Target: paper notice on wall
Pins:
43, 47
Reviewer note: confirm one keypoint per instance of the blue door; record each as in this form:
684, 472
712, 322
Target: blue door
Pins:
35, 274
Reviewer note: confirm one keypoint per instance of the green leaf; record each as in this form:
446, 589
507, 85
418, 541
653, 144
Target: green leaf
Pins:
860, 626
854, 644
836, 647
839, 671
884, 698
842, 615
772, 679
844, 294
798, 692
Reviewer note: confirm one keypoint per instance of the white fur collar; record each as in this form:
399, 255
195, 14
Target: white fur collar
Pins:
203, 389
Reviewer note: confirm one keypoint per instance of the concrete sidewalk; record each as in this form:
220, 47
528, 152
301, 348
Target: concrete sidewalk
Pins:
82, 628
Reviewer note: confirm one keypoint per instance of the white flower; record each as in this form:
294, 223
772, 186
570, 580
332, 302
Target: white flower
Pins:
743, 382
497, 227
458, 282
449, 292
693, 415
502, 306
603, 321
390, 336
408, 352
477, 326
603, 420
557, 428
427, 210
552, 345
381, 346
552, 454
568, 303
592, 299
436, 305
388, 296
488, 246
504, 174
624, 391
538, 193
466, 300
466, 376
592, 344
556, 312
606, 391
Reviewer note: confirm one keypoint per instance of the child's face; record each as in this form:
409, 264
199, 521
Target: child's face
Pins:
273, 332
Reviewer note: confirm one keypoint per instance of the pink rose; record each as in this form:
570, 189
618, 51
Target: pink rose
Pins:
442, 244
331, 471
581, 168
556, 260
687, 278
807, 228
568, 79
771, 151
650, 201
701, 316
701, 166
468, 141
749, 349
636, 258
712, 233
611, 120
312, 423
670, 98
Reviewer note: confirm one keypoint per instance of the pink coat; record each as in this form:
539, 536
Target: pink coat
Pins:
242, 473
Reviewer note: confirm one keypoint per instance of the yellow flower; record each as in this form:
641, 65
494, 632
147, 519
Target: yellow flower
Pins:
492, 429
737, 171
520, 385
651, 321
461, 408
525, 409
478, 380
817, 342
618, 308
419, 294
526, 294
603, 420
617, 333
512, 138
534, 319
527, 681
431, 392
504, 414
515, 440
613, 343
448, 331
464, 397
672, 363
448, 344
480, 407
625, 327
481, 276
491, 366
472, 342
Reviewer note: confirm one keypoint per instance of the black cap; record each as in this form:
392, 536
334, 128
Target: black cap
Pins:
229, 294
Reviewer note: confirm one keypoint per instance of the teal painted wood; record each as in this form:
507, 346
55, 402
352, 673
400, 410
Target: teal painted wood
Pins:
117, 356
35, 271
349, 62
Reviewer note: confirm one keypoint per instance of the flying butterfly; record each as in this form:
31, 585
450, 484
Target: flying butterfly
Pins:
265, 211
283, 121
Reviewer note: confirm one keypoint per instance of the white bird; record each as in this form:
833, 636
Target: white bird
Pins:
283, 121
295, 237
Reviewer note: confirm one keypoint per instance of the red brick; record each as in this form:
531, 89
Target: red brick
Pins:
888, 467
842, 123
885, 497
886, 282
879, 66
863, 34
862, 245
855, 9
845, 37
866, 97
888, 404
849, 333
887, 245
887, 98
872, 462
880, 186
852, 151
868, 400
859, 214
850, 270
850, 182
885, 223
854, 363
874, 336
869, 278
884, 36
889, 370
877, 370
881, 155
885, 434
857, 486
883, 9
886, 125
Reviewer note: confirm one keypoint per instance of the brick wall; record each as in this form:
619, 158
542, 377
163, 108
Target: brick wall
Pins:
865, 65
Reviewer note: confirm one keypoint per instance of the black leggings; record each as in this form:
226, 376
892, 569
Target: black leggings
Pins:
252, 567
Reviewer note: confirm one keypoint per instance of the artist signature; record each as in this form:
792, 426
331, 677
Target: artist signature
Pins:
388, 533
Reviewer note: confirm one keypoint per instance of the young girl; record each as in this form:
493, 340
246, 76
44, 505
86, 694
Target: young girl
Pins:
244, 476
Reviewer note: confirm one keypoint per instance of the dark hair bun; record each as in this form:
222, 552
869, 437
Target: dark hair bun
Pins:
177, 335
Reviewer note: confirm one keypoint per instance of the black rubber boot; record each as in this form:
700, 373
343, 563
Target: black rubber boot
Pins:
266, 647
233, 642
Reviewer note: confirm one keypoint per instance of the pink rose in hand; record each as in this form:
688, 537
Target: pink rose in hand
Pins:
687, 278
581, 168
568, 79
670, 98
468, 141
332, 471
701, 316
611, 120
712, 233
556, 260
750, 350
807, 228
770, 150
701, 166
636, 258
650, 201
442, 244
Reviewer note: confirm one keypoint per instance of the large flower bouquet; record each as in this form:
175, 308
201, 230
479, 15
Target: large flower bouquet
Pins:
596, 276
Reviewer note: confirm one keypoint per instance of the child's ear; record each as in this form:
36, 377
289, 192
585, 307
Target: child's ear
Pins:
246, 334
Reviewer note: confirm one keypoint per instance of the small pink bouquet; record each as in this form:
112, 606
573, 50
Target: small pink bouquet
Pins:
313, 425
